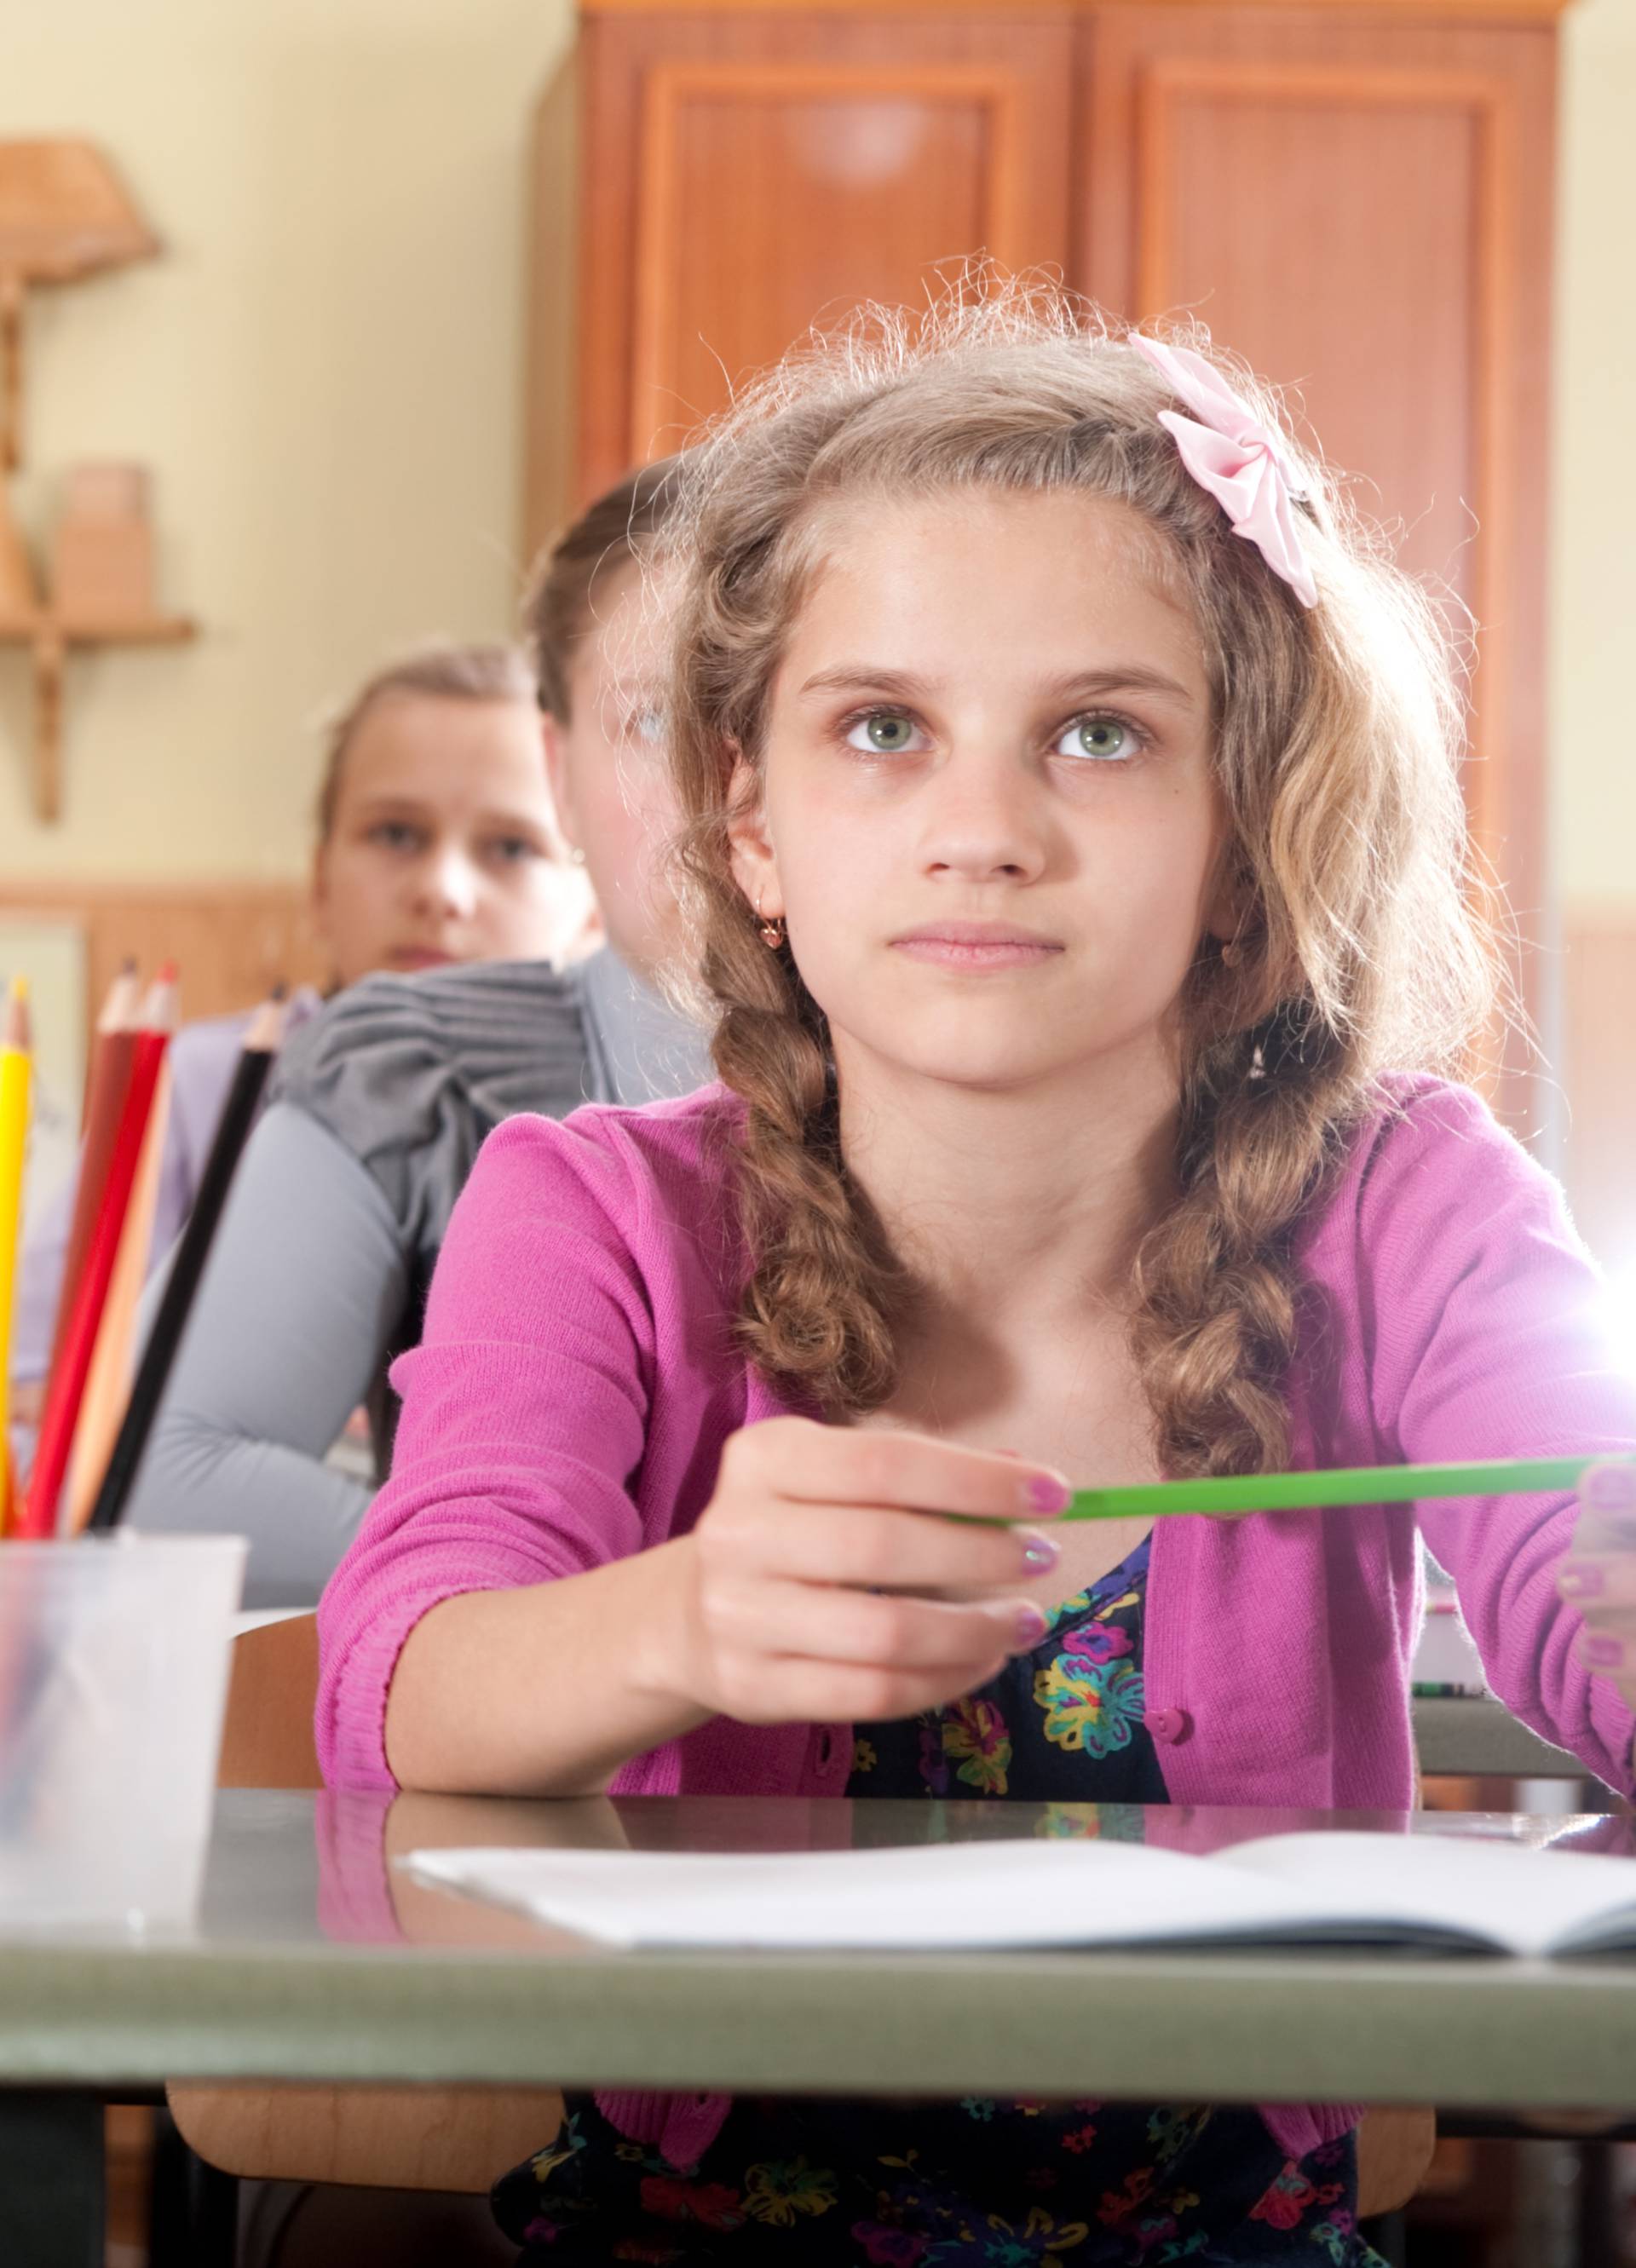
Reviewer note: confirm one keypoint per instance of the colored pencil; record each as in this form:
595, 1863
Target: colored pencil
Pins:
16, 1075
1359, 1485
105, 1089
108, 1385
65, 1388
261, 1045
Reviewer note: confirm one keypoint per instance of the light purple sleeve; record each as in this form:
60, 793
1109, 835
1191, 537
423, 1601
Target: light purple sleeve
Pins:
1486, 1310
525, 1418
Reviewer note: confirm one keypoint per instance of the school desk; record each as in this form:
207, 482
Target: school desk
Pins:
299, 1969
1474, 1737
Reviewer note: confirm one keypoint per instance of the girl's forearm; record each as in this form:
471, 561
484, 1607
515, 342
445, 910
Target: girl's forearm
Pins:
548, 1689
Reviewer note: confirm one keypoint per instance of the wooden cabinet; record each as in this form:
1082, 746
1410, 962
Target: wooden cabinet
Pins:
1356, 198
1360, 205
746, 174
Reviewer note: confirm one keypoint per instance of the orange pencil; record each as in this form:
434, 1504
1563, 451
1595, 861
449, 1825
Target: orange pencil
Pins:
65, 1388
105, 1098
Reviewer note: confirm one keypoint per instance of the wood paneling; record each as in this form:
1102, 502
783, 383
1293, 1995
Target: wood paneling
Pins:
232, 941
1598, 1077
744, 178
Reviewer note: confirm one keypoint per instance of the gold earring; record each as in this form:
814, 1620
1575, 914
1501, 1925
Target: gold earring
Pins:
1232, 953
771, 932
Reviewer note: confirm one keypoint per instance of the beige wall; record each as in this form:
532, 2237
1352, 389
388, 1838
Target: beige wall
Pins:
326, 371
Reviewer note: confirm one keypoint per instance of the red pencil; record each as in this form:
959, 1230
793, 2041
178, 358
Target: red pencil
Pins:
66, 1386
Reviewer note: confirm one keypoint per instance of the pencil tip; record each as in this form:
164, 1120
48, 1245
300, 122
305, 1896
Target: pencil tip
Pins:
167, 973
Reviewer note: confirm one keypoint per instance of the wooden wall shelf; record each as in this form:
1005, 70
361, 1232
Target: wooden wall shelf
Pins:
49, 636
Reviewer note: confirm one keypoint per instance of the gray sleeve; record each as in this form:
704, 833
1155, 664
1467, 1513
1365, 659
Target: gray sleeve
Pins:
305, 1287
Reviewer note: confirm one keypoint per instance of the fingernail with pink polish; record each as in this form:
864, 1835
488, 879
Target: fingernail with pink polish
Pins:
1031, 1628
1610, 1488
1581, 1579
1604, 1652
1046, 1493
1039, 1552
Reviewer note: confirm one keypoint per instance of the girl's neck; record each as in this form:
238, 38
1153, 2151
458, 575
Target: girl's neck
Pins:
1030, 1201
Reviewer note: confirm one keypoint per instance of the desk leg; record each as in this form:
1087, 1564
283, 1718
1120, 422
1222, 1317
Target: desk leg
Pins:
51, 2180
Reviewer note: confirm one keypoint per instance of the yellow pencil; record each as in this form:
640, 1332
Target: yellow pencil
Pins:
16, 1069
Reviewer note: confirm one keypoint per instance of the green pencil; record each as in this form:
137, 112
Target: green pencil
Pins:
1361, 1485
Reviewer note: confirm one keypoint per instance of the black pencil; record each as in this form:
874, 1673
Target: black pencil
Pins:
233, 1131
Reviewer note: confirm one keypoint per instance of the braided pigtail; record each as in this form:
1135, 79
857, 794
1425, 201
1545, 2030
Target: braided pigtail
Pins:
826, 1298
1217, 1324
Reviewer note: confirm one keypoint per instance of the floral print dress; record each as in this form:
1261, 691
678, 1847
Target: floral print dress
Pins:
800, 2183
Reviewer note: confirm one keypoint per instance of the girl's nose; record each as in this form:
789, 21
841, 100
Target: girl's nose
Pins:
984, 828
448, 886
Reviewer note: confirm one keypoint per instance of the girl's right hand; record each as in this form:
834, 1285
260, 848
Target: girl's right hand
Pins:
814, 1571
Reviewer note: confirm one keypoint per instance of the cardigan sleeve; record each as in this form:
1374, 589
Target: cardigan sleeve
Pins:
524, 1418
1485, 1338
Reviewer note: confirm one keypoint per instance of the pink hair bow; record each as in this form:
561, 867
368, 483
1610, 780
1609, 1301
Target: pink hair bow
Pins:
1244, 463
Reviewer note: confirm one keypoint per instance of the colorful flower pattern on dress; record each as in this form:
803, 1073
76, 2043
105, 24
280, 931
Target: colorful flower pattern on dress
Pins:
1097, 1641
1095, 1707
777, 2190
976, 1743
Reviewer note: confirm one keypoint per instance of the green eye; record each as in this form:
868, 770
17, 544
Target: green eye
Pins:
887, 733
1107, 740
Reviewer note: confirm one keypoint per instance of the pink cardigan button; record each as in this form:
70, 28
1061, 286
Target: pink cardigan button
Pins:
1168, 1724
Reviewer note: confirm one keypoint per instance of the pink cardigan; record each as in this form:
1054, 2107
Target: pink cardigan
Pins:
575, 1384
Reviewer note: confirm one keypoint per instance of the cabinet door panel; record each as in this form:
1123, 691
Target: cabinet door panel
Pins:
1361, 207
747, 176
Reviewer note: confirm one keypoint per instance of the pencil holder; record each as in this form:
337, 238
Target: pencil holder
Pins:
114, 1653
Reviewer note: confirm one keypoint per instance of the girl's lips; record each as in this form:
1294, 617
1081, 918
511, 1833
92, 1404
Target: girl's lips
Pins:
955, 948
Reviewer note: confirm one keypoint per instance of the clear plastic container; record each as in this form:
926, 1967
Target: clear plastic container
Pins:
115, 1655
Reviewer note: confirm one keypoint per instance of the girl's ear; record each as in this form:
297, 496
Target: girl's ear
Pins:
1229, 904
754, 867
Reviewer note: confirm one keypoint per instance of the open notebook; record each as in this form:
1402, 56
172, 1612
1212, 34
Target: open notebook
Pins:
1410, 1891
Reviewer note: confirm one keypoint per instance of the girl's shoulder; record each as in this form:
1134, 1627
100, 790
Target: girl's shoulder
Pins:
661, 1173
639, 1200
205, 1052
1430, 1173
409, 1072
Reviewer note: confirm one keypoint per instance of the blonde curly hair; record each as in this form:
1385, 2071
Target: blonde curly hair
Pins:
1335, 733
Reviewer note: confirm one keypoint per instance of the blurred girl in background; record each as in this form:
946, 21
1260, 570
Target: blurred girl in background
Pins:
321, 1264
436, 843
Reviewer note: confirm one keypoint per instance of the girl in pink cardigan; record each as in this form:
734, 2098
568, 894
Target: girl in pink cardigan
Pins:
1076, 844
